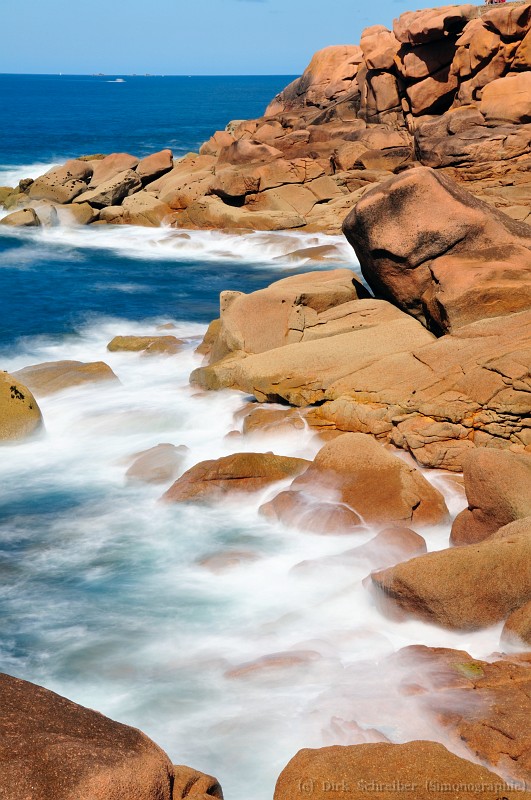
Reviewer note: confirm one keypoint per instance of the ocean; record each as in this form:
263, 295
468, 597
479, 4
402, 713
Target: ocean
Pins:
103, 594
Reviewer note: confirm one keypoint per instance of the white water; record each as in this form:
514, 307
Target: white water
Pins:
175, 245
11, 174
104, 599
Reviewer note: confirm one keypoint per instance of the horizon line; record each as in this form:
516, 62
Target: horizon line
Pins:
155, 74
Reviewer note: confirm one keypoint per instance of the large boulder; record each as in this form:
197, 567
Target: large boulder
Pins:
144, 209
153, 166
432, 24
20, 416
420, 769
376, 485
54, 376
51, 747
149, 345
159, 464
507, 99
209, 481
281, 313
110, 166
62, 184
466, 262
25, 218
111, 191
498, 490
463, 588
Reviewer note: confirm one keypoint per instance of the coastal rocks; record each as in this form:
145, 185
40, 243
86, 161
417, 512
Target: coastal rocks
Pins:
498, 490
466, 263
280, 314
421, 769
189, 782
149, 345
159, 464
51, 747
330, 75
112, 191
306, 512
107, 168
20, 416
55, 376
209, 481
462, 588
516, 633
378, 487
481, 705
432, 24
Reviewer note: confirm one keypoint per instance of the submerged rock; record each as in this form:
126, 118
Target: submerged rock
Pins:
150, 345
54, 376
209, 481
516, 633
159, 464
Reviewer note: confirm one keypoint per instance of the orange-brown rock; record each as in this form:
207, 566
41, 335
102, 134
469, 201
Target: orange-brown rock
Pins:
189, 782
421, 769
281, 313
159, 464
54, 376
109, 167
432, 24
62, 184
372, 482
150, 345
467, 262
273, 663
507, 99
25, 218
227, 559
144, 209
112, 191
51, 747
20, 416
464, 588
209, 481
379, 47
153, 166
330, 74
516, 633
498, 490
479, 705
261, 420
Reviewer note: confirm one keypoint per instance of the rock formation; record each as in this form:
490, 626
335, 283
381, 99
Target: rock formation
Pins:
447, 87
20, 416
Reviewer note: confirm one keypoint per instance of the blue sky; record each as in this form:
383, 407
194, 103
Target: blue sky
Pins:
182, 37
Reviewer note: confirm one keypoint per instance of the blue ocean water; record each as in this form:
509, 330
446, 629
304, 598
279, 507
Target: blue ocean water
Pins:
107, 595
51, 287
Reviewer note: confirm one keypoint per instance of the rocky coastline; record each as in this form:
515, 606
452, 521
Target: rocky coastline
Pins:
417, 145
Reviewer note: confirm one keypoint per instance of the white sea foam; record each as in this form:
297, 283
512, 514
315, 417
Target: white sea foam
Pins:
114, 610
11, 174
282, 248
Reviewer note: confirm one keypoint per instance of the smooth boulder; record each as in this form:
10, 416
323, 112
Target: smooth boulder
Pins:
55, 376
462, 588
498, 490
20, 416
420, 769
53, 748
211, 480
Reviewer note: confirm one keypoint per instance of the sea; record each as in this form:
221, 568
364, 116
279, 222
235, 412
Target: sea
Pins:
107, 595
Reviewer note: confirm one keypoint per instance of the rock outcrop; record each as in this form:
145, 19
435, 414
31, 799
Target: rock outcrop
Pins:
148, 345
20, 416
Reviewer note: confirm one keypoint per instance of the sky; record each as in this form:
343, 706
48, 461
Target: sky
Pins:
182, 37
